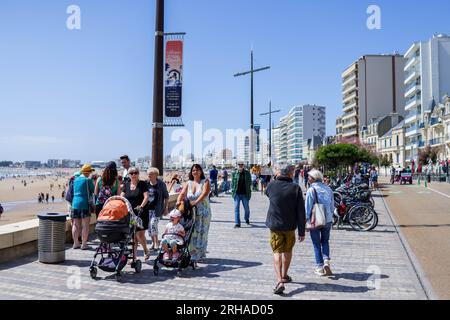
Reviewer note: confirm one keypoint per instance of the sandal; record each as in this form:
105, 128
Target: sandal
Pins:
147, 256
279, 289
287, 279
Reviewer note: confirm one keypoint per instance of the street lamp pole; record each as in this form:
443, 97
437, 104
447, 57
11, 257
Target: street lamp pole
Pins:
158, 88
252, 124
270, 127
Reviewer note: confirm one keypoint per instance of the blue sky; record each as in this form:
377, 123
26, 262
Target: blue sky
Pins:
87, 94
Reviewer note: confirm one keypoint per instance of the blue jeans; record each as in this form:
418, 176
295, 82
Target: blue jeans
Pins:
214, 183
226, 186
320, 239
237, 206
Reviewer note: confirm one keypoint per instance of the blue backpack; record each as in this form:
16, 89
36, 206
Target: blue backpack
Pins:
69, 193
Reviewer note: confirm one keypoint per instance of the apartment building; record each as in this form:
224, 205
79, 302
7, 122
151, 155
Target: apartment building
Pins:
427, 81
294, 130
372, 87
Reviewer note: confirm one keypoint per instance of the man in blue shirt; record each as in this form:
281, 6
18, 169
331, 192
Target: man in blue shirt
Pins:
213, 179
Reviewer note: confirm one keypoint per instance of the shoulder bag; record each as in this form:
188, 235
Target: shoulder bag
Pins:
318, 219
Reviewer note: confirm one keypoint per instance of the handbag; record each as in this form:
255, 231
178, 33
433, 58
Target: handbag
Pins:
91, 203
318, 219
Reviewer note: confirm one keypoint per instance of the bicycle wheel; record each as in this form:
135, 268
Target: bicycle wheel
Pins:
362, 218
337, 199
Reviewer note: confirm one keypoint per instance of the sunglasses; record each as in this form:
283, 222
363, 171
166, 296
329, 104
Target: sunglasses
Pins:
133, 173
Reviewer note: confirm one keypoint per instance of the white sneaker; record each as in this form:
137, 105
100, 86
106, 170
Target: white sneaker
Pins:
327, 268
319, 272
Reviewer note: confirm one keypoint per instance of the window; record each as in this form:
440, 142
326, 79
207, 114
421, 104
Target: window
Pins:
398, 155
398, 143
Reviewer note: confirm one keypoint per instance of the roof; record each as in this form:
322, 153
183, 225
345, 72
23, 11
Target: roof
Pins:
399, 126
387, 134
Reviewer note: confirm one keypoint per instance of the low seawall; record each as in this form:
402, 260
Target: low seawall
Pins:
21, 239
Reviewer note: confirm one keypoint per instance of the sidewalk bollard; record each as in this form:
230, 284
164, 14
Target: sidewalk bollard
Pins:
52, 237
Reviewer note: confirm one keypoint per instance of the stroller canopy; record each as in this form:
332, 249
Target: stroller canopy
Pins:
116, 208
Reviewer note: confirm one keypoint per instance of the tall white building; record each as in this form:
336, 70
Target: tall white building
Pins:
372, 87
427, 81
294, 130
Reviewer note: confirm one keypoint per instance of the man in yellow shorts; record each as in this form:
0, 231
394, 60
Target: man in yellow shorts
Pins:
286, 214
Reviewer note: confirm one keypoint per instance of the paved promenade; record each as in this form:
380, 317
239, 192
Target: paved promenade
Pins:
423, 216
239, 266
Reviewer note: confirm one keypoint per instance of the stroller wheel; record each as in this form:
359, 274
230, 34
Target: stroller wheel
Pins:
138, 266
93, 272
155, 270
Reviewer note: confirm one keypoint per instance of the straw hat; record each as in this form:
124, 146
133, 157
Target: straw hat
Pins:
87, 168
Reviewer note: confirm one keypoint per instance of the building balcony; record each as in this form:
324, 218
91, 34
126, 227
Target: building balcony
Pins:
349, 115
349, 125
414, 60
349, 80
349, 98
350, 89
412, 50
435, 121
349, 107
412, 76
436, 141
348, 134
412, 116
412, 131
412, 89
414, 102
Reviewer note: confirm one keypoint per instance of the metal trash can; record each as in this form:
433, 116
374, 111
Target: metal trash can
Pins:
52, 237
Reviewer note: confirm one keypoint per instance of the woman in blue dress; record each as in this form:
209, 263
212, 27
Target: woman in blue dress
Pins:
197, 192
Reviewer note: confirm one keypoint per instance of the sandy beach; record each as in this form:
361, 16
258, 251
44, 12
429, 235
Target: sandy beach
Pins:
21, 202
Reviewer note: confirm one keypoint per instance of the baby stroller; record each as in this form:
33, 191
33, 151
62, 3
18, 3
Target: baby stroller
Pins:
116, 227
184, 259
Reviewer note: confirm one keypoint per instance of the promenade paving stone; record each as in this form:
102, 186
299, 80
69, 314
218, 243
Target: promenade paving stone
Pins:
239, 266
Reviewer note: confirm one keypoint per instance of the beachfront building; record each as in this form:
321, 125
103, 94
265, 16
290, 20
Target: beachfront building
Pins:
312, 145
372, 87
377, 128
427, 80
295, 128
32, 164
392, 144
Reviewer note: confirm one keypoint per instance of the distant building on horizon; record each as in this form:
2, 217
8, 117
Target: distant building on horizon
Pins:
32, 164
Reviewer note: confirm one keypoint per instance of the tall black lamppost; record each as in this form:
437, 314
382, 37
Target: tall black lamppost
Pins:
252, 124
158, 89
270, 127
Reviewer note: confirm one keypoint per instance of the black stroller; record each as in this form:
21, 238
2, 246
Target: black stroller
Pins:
116, 228
184, 259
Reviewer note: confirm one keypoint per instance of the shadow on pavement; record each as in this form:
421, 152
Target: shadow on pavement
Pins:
357, 276
424, 226
326, 288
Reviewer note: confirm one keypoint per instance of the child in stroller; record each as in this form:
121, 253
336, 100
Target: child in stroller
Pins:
173, 236
174, 251
116, 228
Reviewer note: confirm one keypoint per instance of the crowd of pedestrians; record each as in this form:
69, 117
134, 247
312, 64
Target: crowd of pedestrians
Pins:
289, 212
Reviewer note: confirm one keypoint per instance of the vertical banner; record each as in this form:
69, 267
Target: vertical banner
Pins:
173, 78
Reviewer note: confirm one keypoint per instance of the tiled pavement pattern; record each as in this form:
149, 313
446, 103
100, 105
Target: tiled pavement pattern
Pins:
239, 266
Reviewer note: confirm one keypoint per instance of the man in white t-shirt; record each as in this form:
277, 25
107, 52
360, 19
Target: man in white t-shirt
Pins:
126, 164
